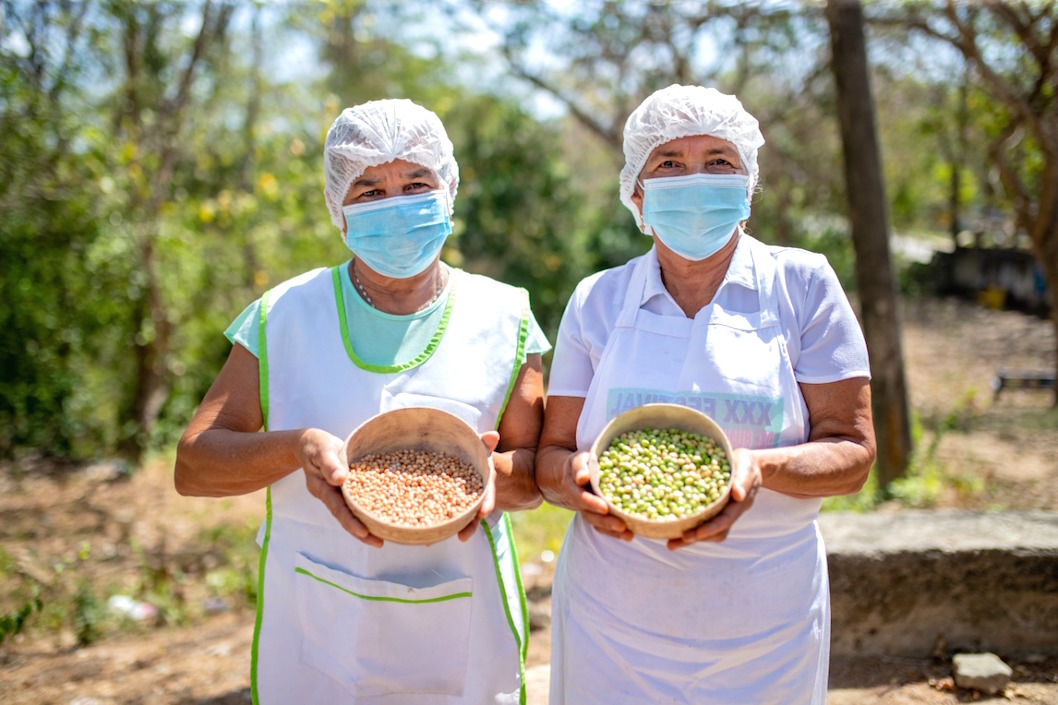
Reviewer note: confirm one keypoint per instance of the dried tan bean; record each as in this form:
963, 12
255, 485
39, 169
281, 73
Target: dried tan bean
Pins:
414, 487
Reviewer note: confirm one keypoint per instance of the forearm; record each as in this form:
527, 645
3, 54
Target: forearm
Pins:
515, 482
222, 463
822, 468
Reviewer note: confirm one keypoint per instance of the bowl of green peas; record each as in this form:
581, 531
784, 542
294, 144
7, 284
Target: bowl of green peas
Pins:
662, 469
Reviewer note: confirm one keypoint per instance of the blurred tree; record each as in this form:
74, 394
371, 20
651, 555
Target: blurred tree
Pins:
518, 217
48, 226
154, 98
600, 59
245, 203
96, 97
868, 210
1012, 50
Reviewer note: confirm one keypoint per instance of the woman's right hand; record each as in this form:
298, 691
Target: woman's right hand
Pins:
322, 456
576, 487
564, 474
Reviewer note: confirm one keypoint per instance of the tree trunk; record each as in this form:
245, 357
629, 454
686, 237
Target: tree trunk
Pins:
249, 134
879, 301
1044, 231
957, 156
1051, 276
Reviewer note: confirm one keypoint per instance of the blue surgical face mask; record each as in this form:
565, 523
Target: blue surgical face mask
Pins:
696, 215
398, 237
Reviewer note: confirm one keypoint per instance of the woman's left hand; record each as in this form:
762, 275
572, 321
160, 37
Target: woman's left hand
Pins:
491, 439
746, 481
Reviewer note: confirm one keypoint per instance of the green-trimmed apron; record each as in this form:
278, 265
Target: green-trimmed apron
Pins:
341, 622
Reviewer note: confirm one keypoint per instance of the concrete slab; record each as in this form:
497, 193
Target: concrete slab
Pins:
915, 583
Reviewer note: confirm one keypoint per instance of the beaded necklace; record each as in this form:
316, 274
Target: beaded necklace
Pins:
367, 297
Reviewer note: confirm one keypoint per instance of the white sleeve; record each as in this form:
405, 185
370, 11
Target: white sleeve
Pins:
832, 344
571, 366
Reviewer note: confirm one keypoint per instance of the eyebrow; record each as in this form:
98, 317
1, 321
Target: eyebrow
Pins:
723, 151
418, 173
365, 181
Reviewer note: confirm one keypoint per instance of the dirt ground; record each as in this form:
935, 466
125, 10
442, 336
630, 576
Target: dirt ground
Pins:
1004, 450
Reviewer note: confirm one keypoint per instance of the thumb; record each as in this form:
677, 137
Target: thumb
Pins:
741, 475
491, 439
333, 469
581, 470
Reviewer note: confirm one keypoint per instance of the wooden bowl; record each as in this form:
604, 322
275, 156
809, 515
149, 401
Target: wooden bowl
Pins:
422, 429
661, 416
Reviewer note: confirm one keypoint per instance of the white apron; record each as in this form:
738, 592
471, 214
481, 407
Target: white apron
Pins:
341, 622
745, 621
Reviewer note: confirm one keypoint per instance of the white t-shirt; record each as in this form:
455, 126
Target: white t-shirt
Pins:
822, 334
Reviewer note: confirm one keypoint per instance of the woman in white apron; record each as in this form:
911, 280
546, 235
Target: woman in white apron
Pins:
343, 617
763, 340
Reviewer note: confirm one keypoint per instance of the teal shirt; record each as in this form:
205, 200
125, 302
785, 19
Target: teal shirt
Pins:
379, 338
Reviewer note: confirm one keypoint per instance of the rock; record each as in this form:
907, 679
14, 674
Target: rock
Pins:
216, 605
109, 471
984, 672
133, 609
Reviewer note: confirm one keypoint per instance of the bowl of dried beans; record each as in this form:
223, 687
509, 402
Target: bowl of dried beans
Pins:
662, 469
416, 475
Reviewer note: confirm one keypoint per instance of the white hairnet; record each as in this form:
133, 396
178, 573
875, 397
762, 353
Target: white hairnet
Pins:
685, 111
377, 132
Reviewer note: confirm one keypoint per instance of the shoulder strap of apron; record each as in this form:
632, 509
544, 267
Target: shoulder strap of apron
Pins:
764, 272
634, 293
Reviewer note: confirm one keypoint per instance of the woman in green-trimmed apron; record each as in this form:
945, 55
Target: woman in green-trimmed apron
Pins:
343, 617
763, 340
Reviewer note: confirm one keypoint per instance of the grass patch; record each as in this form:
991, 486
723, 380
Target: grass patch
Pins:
11, 623
231, 566
70, 593
539, 530
927, 478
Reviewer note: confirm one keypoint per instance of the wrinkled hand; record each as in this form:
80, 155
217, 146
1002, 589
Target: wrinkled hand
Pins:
491, 439
576, 487
746, 481
322, 456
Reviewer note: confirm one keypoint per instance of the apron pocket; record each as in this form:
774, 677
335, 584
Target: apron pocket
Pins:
377, 637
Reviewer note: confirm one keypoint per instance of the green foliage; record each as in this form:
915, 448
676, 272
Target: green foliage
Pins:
829, 236
12, 623
88, 614
518, 216
928, 478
